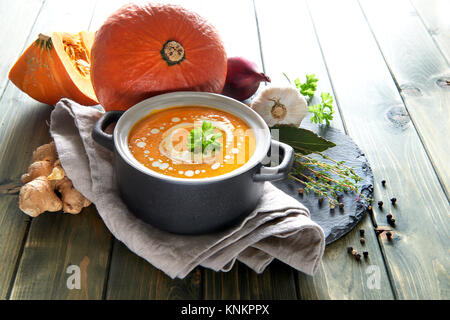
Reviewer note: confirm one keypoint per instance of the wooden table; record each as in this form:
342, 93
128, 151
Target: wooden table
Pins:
387, 65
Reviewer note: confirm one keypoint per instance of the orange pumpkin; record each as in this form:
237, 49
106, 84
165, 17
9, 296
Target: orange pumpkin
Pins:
145, 50
56, 66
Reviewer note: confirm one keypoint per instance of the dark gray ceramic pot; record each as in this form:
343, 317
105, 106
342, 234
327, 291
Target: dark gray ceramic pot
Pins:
186, 205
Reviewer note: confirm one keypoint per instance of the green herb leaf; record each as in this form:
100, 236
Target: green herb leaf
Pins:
309, 87
323, 111
302, 140
204, 137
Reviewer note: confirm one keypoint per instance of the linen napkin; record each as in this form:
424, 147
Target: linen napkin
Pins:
279, 227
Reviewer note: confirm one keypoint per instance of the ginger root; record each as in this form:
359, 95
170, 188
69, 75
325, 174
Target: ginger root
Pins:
37, 196
45, 176
37, 169
73, 201
46, 152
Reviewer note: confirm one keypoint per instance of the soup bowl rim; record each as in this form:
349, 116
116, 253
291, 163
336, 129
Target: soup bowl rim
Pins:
204, 99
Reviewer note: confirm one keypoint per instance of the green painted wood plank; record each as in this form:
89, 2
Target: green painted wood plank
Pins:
10, 242
14, 30
276, 282
131, 277
418, 68
55, 240
22, 129
434, 14
286, 29
103, 10
341, 277
372, 108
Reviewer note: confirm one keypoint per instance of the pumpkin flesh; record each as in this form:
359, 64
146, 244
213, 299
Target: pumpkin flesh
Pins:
145, 50
55, 67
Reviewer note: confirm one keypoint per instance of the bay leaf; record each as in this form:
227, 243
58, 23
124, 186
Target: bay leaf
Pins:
302, 140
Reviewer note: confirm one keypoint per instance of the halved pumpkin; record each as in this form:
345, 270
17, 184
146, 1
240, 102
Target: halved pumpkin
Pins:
145, 50
55, 67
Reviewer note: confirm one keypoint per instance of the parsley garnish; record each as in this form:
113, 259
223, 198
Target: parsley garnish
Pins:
322, 111
309, 87
201, 138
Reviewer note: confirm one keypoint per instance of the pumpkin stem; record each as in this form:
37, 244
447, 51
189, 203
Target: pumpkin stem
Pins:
44, 41
43, 37
172, 52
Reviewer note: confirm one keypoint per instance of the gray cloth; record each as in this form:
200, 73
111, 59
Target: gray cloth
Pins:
279, 227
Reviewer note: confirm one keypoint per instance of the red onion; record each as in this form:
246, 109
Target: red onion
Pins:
243, 78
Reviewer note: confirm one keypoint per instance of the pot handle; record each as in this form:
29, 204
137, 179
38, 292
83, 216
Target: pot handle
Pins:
98, 133
281, 171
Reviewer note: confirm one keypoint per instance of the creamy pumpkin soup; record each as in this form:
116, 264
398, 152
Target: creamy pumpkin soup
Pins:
191, 142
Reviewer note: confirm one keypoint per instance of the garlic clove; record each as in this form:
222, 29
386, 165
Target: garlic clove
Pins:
280, 106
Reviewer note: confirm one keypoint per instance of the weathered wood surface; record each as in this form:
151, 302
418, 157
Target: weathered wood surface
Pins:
358, 63
420, 71
276, 282
131, 277
434, 14
416, 259
13, 225
55, 242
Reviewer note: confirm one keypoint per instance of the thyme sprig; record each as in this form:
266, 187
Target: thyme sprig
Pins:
326, 179
317, 171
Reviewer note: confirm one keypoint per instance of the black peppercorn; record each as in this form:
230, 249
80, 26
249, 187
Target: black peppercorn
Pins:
389, 235
380, 204
341, 205
383, 182
357, 257
390, 219
393, 200
349, 250
362, 240
361, 232
320, 201
366, 254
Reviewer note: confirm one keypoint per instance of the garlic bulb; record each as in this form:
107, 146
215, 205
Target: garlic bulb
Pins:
280, 105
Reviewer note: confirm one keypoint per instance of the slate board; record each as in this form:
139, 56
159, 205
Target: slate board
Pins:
336, 223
